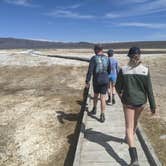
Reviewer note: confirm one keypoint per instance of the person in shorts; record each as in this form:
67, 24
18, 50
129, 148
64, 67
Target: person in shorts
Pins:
99, 68
134, 87
112, 77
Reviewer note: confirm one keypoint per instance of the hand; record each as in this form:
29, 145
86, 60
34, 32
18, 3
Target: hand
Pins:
155, 114
87, 85
153, 111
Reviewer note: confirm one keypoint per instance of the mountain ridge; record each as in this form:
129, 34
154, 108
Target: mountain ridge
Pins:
15, 43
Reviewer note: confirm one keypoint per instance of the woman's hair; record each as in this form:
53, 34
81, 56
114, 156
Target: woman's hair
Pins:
134, 60
134, 54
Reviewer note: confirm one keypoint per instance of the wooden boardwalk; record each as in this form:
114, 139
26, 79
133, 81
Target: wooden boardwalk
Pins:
103, 143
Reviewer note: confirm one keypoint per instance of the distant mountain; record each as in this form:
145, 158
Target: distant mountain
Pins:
11, 43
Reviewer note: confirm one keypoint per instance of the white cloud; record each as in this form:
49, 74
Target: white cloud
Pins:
69, 14
135, 1
143, 25
142, 7
74, 6
153, 7
26, 3
111, 15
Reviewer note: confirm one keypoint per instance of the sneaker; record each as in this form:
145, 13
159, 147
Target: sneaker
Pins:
102, 117
108, 101
93, 111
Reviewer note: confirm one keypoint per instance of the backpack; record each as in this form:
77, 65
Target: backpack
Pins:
101, 70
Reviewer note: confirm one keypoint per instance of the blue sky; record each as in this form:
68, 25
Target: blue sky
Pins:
84, 20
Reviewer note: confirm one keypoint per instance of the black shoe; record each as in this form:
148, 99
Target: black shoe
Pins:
134, 157
108, 101
102, 117
93, 111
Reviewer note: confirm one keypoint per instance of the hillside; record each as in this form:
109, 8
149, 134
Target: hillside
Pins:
12, 43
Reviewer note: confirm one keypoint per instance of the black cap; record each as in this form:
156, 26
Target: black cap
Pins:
134, 51
98, 47
110, 52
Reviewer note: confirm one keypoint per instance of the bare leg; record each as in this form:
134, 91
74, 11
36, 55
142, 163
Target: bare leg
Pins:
96, 95
113, 89
136, 117
109, 92
103, 103
125, 124
110, 89
113, 93
129, 117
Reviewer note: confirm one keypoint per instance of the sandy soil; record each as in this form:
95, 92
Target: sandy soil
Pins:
39, 110
32, 58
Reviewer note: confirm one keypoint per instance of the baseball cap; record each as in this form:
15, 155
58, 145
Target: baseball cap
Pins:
134, 51
98, 47
110, 52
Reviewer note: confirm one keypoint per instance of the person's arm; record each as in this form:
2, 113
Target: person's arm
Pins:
90, 70
150, 95
119, 83
117, 67
109, 67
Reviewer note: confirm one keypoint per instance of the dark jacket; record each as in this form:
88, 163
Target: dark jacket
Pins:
135, 86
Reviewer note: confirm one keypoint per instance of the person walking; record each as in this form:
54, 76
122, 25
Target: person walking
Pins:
99, 68
112, 77
134, 87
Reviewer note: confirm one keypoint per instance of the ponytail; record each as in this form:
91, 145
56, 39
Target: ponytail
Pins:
134, 61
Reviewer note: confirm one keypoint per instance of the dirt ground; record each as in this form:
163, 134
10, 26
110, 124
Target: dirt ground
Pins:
39, 110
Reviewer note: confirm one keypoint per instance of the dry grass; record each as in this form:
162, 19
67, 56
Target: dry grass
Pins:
39, 110
38, 114
155, 128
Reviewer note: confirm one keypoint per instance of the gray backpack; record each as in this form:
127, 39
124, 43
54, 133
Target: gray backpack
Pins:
101, 69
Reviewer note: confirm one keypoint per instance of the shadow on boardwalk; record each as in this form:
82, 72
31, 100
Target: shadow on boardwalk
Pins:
93, 117
102, 139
